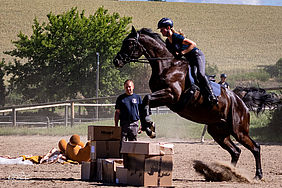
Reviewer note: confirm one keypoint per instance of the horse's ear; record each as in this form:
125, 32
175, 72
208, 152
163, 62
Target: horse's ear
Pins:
134, 32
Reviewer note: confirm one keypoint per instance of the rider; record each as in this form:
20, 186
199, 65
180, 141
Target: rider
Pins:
180, 46
223, 81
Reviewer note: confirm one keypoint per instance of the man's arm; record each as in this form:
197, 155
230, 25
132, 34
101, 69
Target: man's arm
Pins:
117, 112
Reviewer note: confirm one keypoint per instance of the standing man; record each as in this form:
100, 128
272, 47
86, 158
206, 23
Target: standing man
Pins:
127, 112
223, 81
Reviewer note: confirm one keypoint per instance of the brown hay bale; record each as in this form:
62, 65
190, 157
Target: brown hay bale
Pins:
216, 171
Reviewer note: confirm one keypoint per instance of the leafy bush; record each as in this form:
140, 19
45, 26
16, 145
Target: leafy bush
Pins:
275, 70
275, 123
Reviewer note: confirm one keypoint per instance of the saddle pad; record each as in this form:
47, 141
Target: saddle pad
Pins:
215, 88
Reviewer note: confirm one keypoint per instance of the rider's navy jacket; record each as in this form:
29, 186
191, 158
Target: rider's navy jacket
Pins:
176, 45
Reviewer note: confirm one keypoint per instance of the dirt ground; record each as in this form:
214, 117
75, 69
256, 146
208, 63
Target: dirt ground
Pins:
68, 175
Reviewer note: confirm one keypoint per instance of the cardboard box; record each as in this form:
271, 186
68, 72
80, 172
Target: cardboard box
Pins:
109, 169
157, 171
121, 175
85, 171
88, 171
137, 147
134, 161
166, 149
104, 133
99, 170
104, 149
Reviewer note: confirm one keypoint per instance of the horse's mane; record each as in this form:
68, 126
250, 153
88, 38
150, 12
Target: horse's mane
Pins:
151, 34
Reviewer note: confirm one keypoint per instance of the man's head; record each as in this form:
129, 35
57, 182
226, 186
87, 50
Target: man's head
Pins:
128, 87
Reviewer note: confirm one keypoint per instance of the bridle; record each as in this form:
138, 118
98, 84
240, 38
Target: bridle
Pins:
136, 43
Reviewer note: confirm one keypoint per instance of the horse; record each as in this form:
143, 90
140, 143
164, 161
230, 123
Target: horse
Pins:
170, 86
257, 99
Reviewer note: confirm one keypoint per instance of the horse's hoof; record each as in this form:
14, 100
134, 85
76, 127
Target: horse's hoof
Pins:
148, 132
152, 126
258, 175
153, 135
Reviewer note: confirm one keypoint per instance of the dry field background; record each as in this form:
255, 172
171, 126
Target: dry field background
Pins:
237, 38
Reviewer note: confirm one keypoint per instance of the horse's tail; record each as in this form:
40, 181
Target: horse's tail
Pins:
257, 99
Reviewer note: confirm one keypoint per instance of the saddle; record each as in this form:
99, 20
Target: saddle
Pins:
189, 96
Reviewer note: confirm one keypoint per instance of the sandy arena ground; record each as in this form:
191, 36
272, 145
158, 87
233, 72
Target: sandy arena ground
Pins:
68, 175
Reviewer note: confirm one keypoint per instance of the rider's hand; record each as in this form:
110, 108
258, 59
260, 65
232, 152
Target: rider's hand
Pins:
178, 55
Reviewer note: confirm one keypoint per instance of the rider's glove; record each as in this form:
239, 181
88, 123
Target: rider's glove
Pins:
179, 55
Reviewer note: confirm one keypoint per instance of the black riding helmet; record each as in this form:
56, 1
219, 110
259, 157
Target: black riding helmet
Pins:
164, 22
223, 76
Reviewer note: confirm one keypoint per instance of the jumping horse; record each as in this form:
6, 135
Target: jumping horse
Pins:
171, 87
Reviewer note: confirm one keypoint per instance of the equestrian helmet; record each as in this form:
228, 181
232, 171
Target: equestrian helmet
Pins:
164, 22
223, 76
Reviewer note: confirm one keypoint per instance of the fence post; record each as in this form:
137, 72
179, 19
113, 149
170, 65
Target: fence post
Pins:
66, 115
72, 114
14, 116
48, 122
97, 85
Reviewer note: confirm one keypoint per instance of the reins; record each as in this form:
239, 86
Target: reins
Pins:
147, 60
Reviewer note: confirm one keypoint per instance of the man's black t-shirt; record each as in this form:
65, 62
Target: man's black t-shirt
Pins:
128, 106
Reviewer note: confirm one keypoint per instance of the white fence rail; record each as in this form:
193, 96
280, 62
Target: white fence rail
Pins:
12, 118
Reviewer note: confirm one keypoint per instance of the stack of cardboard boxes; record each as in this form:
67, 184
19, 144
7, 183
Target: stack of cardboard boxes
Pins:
141, 164
146, 164
104, 155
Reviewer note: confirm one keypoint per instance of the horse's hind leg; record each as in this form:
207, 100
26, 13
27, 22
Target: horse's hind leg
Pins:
246, 141
222, 136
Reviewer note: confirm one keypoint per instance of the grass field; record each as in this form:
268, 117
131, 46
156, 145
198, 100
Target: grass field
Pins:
237, 38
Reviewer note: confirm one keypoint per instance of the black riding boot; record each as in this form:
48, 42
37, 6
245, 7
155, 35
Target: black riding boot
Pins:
210, 95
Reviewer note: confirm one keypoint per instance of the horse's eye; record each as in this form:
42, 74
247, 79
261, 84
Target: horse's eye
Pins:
131, 43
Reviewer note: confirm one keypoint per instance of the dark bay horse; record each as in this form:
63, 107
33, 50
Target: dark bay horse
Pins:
257, 99
171, 87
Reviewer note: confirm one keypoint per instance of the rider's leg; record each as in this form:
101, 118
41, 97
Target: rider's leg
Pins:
204, 82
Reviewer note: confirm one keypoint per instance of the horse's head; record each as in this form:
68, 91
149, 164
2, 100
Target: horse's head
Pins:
130, 49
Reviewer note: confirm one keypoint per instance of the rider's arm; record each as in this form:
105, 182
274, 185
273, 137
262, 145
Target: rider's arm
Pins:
191, 45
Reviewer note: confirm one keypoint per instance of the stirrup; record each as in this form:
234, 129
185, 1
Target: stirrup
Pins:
213, 99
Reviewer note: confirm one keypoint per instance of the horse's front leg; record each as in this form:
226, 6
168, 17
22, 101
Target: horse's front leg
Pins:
155, 99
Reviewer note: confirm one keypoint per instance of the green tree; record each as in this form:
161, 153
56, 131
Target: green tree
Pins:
59, 59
